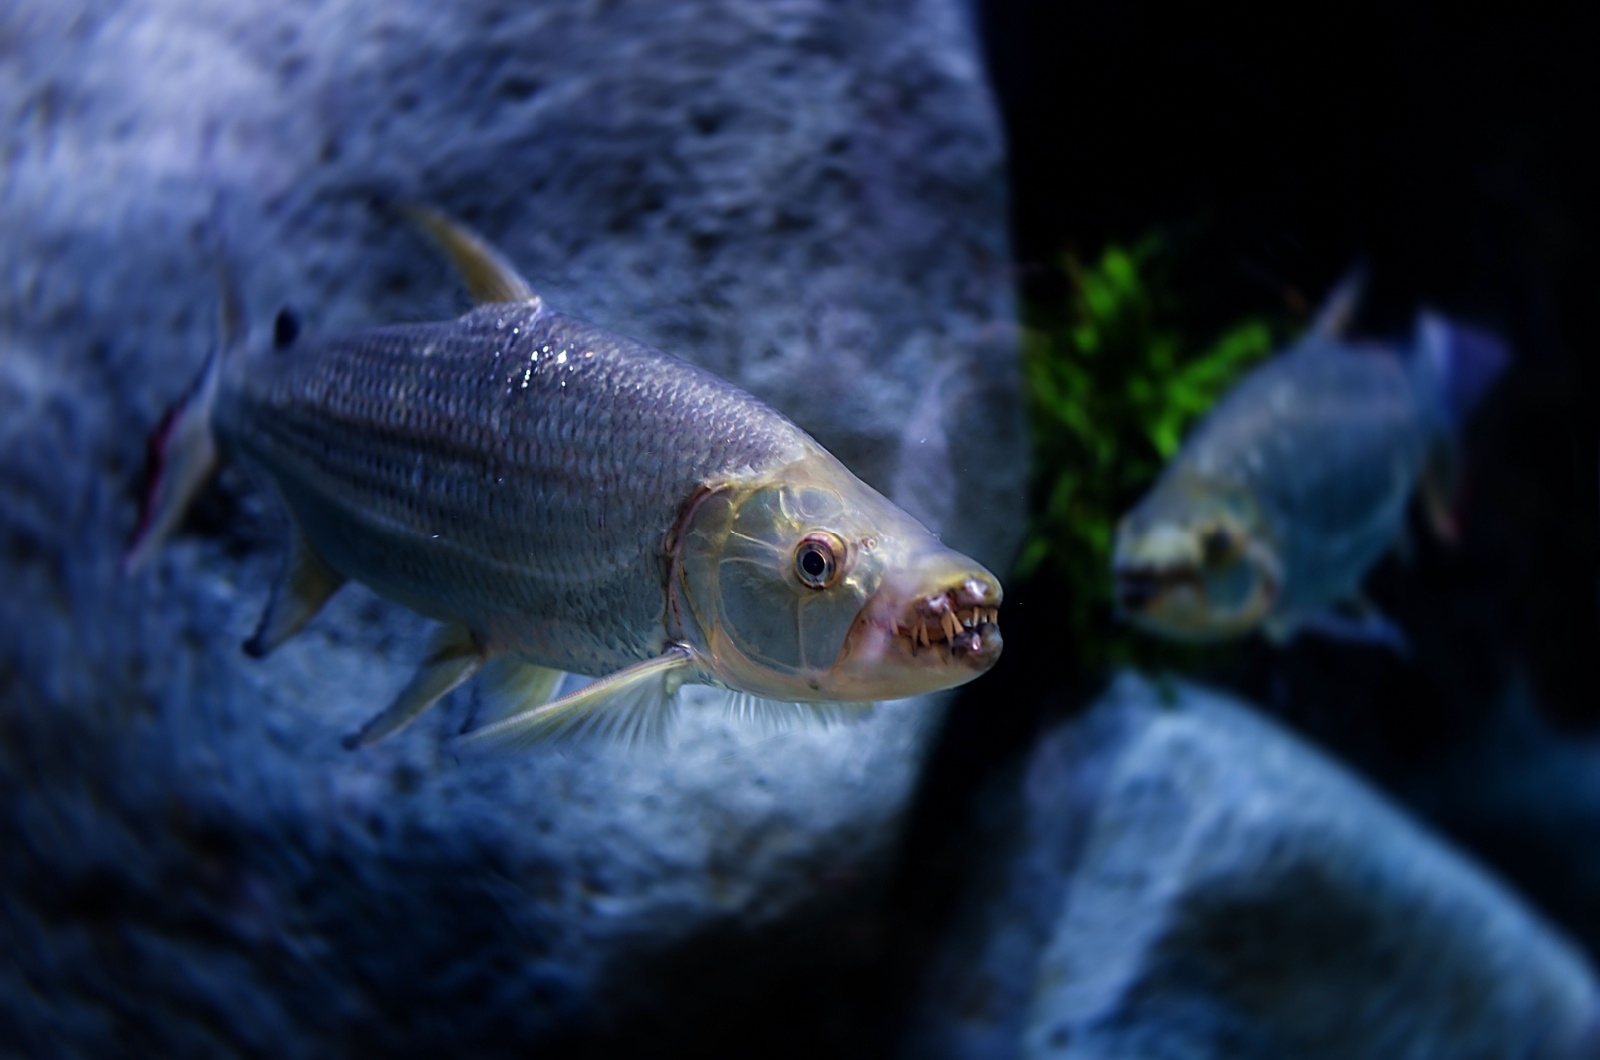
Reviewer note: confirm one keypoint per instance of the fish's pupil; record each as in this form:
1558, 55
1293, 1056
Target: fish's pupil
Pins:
813, 562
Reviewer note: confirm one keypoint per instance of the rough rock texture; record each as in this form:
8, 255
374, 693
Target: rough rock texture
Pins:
1182, 878
804, 196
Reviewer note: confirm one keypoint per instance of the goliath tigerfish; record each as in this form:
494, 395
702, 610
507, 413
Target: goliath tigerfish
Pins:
563, 498
1297, 482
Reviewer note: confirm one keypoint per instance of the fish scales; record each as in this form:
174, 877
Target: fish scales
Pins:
514, 464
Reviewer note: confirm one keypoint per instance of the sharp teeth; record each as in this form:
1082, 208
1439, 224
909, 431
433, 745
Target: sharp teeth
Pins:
951, 629
922, 634
994, 616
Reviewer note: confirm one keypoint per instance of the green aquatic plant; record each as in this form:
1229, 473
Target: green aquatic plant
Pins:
1114, 379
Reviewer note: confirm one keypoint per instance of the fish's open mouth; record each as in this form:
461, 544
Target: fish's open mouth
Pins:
958, 619
1138, 585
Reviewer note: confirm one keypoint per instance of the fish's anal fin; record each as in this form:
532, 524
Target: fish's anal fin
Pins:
633, 705
776, 715
454, 655
508, 686
307, 584
1357, 621
488, 275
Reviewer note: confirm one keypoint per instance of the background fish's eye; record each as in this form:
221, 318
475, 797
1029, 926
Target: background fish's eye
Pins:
1216, 545
816, 561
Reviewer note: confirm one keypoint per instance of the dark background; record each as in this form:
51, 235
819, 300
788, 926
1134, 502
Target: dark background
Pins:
1451, 152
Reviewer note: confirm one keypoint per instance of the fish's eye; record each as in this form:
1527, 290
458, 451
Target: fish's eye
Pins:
816, 560
1216, 544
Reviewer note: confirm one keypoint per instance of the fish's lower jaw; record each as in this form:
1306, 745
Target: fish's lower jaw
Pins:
961, 624
1139, 587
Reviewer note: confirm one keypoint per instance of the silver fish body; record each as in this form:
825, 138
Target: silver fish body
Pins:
565, 499
515, 471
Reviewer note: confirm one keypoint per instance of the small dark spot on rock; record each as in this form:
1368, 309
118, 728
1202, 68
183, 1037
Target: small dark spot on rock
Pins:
706, 122
285, 328
1060, 1038
519, 88
407, 778
406, 102
705, 243
330, 150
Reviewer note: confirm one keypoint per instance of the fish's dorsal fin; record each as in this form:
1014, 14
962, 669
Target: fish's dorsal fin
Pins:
488, 275
1339, 308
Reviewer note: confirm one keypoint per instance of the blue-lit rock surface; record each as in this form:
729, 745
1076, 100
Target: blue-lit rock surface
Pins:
1179, 877
806, 197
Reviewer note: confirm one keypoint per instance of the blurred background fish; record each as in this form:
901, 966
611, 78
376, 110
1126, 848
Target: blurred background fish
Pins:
1290, 490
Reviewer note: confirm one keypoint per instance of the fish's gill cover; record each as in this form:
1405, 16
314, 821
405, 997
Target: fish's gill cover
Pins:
806, 198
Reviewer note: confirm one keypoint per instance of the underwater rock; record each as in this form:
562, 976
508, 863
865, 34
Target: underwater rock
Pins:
1182, 878
804, 197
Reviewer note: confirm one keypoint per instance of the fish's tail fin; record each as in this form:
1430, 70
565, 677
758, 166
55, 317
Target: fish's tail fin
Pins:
182, 454
1452, 367
1455, 365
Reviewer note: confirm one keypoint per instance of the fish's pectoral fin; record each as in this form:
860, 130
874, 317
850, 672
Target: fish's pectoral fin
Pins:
1358, 621
508, 686
454, 655
486, 272
306, 585
776, 715
632, 705
1279, 631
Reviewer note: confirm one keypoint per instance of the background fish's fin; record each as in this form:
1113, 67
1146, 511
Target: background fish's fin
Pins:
1452, 367
776, 715
508, 686
1339, 308
632, 705
486, 272
453, 656
1455, 365
1439, 489
306, 585
182, 455
1364, 624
